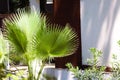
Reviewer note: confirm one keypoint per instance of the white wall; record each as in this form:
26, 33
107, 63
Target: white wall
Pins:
34, 4
100, 28
49, 1
59, 74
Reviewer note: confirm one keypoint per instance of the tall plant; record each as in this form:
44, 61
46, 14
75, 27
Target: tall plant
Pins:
31, 36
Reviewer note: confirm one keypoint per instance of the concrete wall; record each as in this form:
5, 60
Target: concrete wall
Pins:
100, 28
34, 4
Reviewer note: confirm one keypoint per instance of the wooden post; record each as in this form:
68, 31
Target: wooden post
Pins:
68, 11
2, 16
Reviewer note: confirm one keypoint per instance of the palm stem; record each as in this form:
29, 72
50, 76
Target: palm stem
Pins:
30, 77
41, 69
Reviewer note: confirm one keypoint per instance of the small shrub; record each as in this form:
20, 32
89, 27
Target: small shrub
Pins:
92, 73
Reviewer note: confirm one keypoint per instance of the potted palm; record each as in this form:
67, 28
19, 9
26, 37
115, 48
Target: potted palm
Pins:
31, 36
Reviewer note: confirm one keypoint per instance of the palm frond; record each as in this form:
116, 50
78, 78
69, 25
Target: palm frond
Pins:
21, 27
15, 35
30, 32
66, 43
55, 41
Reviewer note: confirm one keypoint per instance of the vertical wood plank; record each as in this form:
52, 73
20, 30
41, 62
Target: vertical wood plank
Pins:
68, 11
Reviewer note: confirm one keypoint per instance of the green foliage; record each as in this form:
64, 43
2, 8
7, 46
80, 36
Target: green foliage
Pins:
96, 54
77, 73
43, 39
92, 73
19, 40
18, 75
115, 68
17, 59
55, 42
31, 36
3, 48
3, 55
2, 71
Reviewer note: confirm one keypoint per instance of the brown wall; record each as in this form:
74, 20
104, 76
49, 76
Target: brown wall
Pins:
4, 6
68, 11
2, 16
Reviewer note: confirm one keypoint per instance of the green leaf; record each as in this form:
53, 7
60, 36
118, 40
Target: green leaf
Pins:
54, 41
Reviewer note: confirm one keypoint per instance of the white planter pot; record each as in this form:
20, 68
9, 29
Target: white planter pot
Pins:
59, 74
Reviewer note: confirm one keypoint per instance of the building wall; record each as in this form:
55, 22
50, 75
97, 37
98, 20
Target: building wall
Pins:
34, 4
100, 28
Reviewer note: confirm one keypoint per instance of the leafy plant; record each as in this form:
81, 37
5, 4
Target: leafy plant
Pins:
92, 73
115, 68
31, 36
3, 55
15, 59
96, 55
17, 75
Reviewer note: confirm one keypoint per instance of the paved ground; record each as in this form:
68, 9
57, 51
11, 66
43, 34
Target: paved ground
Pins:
23, 70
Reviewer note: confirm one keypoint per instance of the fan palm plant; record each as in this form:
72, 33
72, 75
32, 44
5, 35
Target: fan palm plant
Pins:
31, 35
